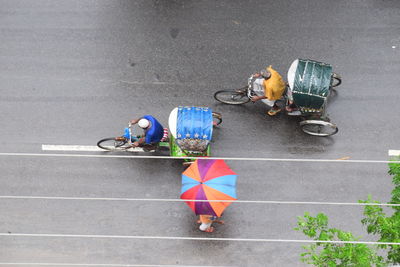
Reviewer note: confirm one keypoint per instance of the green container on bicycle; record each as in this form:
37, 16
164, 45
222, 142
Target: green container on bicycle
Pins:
310, 82
191, 131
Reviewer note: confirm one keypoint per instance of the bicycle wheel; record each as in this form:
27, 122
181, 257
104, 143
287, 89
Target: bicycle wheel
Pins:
111, 144
318, 127
337, 80
232, 97
217, 118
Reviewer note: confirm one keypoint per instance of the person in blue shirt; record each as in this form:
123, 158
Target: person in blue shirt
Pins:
153, 131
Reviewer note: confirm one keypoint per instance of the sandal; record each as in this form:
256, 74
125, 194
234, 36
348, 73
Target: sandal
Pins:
209, 230
273, 112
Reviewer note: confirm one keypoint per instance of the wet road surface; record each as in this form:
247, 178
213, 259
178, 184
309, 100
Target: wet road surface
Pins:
74, 72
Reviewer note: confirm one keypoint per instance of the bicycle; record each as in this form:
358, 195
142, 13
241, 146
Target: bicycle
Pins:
311, 105
125, 142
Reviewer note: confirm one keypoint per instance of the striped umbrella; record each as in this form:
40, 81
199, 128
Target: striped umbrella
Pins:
208, 179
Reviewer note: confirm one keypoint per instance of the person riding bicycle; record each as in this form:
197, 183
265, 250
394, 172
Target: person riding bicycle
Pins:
269, 87
153, 131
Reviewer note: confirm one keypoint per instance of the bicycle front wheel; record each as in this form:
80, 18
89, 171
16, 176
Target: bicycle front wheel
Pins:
111, 144
318, 127
232, 97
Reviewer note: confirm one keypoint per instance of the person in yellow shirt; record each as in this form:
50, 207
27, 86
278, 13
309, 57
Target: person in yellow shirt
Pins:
269, 87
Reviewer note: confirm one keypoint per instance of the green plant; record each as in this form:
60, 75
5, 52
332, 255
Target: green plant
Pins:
333, 254
387, 227
345, 254
394, 169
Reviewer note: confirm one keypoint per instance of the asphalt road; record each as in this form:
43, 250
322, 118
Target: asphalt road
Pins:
73, 72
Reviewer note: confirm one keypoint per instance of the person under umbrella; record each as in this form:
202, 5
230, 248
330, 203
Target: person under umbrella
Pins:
206, 182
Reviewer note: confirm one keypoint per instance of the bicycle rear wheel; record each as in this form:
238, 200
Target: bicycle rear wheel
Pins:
337, 80
318, 127
111, 144
217, 118
232, 97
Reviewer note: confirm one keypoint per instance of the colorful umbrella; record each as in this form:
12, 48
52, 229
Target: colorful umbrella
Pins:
208, 179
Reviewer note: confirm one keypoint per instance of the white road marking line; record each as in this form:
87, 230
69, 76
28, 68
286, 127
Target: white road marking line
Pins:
70, 148
144, 83
196, 238
177, 158
100, 80
189, 200
136, 149
101, 264
82, 148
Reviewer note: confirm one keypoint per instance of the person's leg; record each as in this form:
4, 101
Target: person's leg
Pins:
276, 107
274, 110
204, 227
148, 147
291, 107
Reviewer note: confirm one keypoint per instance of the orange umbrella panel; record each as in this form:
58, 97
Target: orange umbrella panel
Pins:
207, 180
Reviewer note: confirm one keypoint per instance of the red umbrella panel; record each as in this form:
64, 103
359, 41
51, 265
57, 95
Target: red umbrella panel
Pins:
208, 179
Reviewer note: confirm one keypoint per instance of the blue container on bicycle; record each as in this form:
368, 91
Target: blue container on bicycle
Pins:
191, 131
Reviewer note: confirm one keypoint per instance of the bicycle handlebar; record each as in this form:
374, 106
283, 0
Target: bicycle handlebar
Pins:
131, 136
